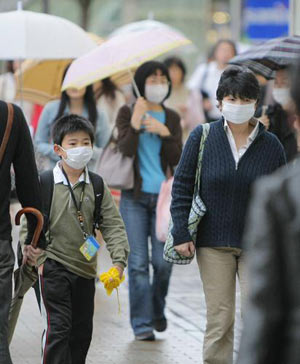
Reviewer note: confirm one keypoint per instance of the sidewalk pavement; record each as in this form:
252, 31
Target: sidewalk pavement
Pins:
113, 340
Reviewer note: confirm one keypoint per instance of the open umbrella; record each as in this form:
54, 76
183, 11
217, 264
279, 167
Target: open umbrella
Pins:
271, 55
27, 34
121, 53
25, 276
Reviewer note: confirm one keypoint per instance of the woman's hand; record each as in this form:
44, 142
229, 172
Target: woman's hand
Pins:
140, 109
154, 126
186, 249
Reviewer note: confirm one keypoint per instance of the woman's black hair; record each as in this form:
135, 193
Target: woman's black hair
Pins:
108, 88
295, 87
238, 81
177, 62
89, 102
69, 124
147, 69
221, 41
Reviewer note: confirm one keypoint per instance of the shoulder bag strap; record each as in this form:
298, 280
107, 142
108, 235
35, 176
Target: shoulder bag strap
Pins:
47, 187
98, 186
205, 132
10, 116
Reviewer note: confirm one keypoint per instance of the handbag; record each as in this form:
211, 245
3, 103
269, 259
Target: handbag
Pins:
163, 214
197, 211
115, 168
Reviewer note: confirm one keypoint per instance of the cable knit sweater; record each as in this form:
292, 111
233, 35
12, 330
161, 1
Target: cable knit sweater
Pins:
225, 188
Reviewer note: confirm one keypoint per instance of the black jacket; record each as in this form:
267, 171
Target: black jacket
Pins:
19, 154
272, 321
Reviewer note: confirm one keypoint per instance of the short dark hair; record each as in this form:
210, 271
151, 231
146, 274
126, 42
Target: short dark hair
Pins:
177, 62
147, 69
238, 81
295, 87
71, 124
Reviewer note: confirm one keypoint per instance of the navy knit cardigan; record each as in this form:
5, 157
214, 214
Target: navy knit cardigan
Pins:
225, 188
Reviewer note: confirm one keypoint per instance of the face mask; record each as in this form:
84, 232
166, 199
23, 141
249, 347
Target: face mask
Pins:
156, 93
79, 157
281, 95
238, 114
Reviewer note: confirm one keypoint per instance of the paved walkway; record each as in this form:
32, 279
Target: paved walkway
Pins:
113, 341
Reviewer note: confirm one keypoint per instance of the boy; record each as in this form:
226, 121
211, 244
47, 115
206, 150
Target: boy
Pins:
67, 277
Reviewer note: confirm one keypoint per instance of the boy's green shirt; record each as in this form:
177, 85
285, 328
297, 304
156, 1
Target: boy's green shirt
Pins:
65, 236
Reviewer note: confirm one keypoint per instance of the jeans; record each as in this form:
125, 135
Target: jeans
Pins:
7, 260
147, 300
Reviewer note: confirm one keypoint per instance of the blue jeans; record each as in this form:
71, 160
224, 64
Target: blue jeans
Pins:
147, 301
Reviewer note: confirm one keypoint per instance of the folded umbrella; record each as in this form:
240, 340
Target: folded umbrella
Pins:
25, 276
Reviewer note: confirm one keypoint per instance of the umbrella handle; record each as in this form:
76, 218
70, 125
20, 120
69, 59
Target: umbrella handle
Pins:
40, 222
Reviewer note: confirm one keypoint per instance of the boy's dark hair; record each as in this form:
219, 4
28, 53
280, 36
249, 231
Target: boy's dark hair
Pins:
71, 124
147, 69
177, 62
295, 87
239, 82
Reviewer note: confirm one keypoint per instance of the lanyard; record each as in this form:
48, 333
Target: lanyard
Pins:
78, 207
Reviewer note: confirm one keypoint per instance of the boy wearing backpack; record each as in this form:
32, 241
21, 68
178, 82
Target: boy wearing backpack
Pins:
68, 266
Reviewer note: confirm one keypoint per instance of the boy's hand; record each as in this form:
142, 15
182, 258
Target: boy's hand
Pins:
30, 255
120, 270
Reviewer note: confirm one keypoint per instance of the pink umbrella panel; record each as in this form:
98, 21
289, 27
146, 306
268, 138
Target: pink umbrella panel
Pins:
120, 53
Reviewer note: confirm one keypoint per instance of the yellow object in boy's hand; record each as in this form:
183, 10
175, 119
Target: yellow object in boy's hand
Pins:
111, 279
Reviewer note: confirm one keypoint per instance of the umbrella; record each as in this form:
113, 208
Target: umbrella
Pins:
121, 53
273, 54
26, 34
256, 67
26, 275
41, 80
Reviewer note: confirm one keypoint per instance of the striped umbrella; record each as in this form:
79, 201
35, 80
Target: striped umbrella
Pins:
267, 57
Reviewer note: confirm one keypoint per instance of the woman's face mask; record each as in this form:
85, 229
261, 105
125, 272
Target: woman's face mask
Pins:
236, 113
156, 93
78, 157
281, 95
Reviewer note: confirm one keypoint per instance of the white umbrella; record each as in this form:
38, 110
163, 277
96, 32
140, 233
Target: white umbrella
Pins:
150, 24
27, 34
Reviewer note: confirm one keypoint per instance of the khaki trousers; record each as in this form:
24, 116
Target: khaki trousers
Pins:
218, 270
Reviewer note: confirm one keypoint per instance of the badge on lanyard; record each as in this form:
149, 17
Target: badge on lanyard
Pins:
90, 247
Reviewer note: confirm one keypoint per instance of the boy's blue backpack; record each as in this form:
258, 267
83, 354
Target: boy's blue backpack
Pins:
47, 186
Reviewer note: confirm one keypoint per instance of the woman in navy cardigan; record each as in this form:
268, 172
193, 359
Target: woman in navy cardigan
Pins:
238, 150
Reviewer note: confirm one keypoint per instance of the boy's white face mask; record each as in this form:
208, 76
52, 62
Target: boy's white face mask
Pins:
238, 114
78, 157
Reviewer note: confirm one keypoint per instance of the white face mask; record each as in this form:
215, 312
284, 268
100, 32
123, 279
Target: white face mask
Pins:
238, 114
281, 95
79, 157
156, 93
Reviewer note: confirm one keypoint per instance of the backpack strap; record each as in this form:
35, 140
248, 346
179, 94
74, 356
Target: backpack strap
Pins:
10, 117
47, 187
98, 186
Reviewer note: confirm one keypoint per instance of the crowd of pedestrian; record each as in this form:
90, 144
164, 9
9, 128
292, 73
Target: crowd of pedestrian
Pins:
161, 134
